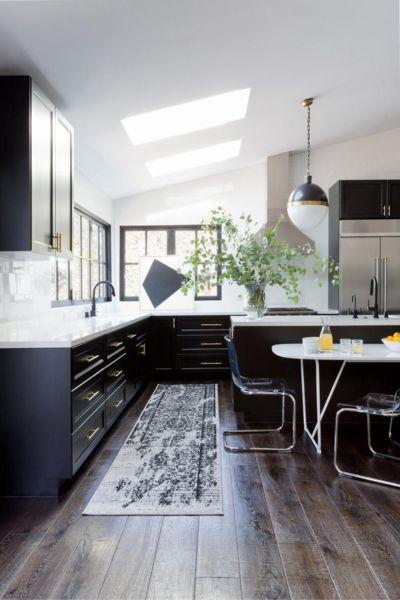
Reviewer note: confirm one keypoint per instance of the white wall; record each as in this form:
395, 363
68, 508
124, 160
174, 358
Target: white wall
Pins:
25, 291
372, 157
187, 203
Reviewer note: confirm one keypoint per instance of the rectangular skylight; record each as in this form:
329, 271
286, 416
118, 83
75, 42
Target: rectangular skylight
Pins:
188, 117
193, 159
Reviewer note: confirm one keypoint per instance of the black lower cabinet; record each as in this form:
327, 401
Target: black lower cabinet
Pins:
58, 403
163, 345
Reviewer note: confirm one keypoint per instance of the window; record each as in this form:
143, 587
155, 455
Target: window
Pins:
155, 241
73, 281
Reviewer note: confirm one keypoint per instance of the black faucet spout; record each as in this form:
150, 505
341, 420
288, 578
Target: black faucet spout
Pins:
110, 285
373, 291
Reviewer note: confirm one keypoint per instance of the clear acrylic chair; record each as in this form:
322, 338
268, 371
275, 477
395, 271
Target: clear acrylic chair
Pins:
259, 387
382, 405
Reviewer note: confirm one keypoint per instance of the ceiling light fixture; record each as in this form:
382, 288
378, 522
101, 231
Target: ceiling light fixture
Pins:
188, 117
193, 159
308, 204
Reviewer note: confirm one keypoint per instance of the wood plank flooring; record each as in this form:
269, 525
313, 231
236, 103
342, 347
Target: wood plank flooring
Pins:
291, 529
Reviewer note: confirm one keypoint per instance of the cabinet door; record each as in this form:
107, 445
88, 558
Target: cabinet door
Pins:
42, 148
390, 252
362, 199
359, 261
64, 165
163, 351
393, 199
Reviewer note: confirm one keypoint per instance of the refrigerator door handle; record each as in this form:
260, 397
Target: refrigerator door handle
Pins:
384, 288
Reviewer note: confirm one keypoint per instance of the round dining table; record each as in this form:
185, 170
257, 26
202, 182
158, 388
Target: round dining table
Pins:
371, 353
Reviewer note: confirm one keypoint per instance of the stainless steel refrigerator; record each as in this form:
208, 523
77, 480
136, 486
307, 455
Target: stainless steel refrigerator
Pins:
369, 248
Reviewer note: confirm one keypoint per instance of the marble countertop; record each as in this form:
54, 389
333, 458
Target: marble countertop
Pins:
314, 320
67, 334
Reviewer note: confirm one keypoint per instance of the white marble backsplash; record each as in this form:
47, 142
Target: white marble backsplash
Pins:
25, 292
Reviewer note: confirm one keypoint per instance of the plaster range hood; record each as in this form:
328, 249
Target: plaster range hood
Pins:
277, 193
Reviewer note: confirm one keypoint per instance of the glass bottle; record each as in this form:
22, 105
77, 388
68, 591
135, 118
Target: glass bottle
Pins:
325, 339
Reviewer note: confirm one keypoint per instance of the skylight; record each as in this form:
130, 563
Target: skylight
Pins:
193, 159
188, 117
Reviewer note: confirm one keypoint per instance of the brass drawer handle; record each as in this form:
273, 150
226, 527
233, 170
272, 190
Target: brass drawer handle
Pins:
118, 403
115, 374
57, 242
211, 324
116, 344
91, 435
91, 395
131, 336
90, 358
211, 344
211, 363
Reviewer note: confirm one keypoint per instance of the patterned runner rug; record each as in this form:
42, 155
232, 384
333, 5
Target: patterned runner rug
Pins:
169, 464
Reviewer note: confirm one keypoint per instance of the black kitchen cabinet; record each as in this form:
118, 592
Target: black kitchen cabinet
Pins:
36, 171
362, 199
163, 344
366, 199
393, 199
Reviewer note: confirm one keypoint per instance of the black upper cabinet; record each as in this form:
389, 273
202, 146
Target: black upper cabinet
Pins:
367, 199
393, 199
362, 199
36, 171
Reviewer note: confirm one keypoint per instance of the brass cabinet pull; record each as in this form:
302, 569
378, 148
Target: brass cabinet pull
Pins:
388, 210
211, 344
384, 210
91, 435
90, 358
118, 403
115, 374
211, 324
57, 242
116, 344
211, 363
131, 336
91, 395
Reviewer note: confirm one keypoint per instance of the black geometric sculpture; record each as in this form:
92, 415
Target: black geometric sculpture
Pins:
161, 282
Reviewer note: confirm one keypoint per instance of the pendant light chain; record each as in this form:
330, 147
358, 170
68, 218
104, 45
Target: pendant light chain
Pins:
308, 140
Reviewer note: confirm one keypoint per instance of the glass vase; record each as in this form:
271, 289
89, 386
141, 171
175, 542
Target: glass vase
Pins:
254, 300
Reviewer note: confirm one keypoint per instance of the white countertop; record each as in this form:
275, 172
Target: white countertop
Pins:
66, 334
313, 320
371, 353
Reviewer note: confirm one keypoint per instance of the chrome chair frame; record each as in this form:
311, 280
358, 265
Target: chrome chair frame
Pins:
392, 413
259, 387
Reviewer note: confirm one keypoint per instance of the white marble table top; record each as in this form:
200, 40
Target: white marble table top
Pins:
371, 353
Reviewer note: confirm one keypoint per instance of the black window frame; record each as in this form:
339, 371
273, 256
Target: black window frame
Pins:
171, 229
92, 218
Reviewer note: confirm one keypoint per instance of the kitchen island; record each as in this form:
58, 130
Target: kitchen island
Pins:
254, 340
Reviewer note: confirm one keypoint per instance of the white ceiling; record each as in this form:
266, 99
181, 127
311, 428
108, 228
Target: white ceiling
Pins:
102, 60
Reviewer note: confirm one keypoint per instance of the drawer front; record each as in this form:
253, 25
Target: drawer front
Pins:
87, 437
115, 345
115, 375
202, 362
201, 324
200, 343
85, 399
115, 404
86, 361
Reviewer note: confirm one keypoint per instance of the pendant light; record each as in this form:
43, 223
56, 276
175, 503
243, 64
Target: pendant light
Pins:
308, 204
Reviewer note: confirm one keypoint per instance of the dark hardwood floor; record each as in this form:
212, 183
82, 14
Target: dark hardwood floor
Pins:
291, 529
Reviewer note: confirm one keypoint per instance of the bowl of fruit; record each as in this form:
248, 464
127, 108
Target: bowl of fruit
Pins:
392, 342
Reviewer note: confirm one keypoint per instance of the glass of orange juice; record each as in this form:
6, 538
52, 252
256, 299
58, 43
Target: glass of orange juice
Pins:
325, 339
